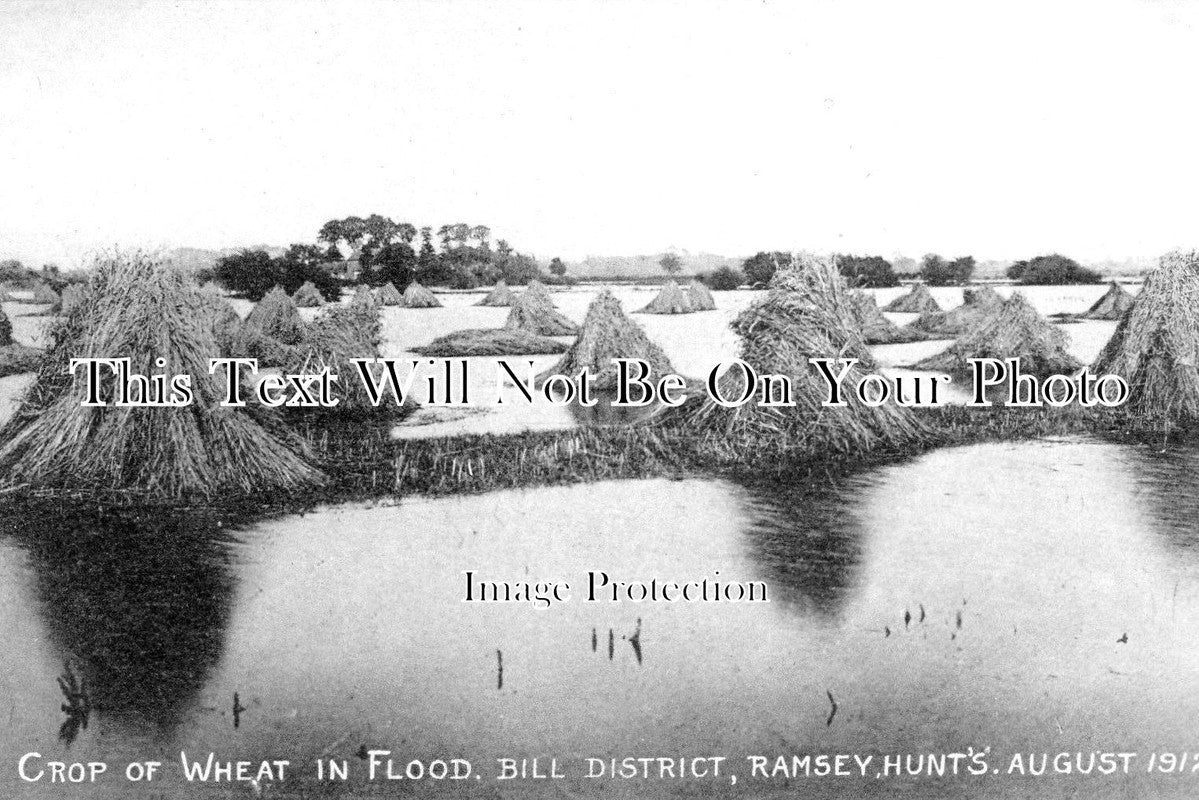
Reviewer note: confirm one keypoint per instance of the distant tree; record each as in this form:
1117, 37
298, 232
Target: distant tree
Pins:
963, 268
300, 264
380, 231
557, 267
248, 273
867, 270
12, 271
760, 268
406, 232
252, 273
333, 253
426, 259
481, 234
936, 271
396, 263
454, 236
671, 263
351, 230
519, 269
1052, 269
723, 278
304, 254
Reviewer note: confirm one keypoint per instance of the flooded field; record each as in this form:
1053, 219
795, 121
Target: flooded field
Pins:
1027, 598
694, 343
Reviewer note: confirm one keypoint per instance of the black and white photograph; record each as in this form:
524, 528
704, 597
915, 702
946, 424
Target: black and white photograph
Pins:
519, 399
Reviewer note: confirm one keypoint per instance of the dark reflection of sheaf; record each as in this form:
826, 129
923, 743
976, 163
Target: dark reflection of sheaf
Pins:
137, 604
806, 541
1169, 483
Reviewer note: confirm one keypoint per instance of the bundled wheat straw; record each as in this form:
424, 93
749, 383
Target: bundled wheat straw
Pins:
223, 319
534, 311
389, 295
1112, 305
607, 334
490, 342
72, 294
42, 293
918, 301
1012, 329
948, 324
363, 297
1155, 348
16, 359
669, 300
500, 295
700, 297
270, 331
417, 296
308, 296
140, 309
338, 334
808, 313
877, 329
275, 315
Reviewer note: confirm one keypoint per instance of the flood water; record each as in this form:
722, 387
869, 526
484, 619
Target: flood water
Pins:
1029, 598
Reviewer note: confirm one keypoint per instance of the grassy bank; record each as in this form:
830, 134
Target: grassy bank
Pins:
372, 465
362, 462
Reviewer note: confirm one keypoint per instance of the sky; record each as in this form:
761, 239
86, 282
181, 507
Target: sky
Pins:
1001, 130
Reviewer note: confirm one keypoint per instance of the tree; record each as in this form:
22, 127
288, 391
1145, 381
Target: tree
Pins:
333, 253
760, 268
249, 273
519, 269
406, 231
308, 255
426, 260
300, 264
557, 267
723, 278
1052, 269
867, 270
671, 263
252, 273
351, 230
481, 233
936, 271
396, 263
454, 236
12, 271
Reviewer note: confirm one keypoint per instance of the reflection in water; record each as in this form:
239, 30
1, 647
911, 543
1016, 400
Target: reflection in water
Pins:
77, 704
137, 605
1169, 481
238, 708
635, 641
806, 539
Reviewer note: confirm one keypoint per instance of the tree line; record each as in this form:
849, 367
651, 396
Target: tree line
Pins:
458, 256
933, 269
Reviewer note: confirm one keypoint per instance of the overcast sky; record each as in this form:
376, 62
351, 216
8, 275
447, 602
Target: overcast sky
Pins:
605, 128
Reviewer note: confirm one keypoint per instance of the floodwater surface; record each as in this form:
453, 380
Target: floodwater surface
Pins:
1000, 599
